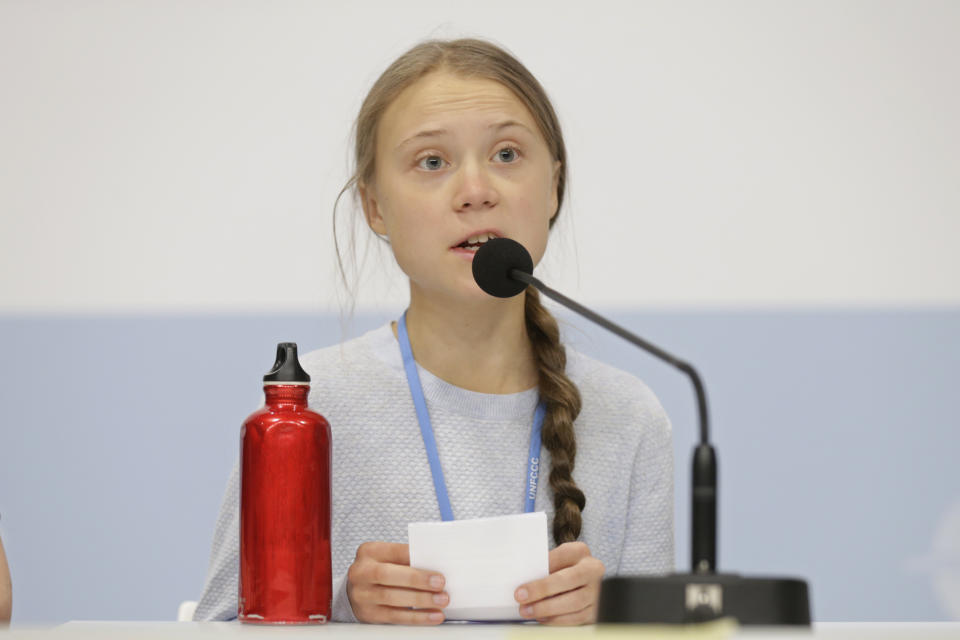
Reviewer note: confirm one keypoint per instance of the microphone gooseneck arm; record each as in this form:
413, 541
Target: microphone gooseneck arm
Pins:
629, 337
704, 488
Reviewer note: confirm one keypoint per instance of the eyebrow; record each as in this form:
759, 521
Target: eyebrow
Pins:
429, 133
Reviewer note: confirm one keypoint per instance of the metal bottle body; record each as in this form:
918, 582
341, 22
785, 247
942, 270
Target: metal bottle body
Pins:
285, 463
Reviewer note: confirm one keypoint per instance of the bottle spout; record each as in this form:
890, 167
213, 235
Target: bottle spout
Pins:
287, 368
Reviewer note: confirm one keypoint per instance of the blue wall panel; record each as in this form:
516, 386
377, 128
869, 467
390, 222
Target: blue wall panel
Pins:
836, 431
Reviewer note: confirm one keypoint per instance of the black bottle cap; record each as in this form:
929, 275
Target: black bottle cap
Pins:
287, 367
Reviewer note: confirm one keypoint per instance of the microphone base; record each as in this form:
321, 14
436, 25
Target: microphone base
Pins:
684, 598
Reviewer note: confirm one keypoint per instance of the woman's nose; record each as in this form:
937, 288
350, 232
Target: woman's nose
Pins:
475, 190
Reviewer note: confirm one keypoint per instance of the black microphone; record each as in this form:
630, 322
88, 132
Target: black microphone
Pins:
493, 263
503, 268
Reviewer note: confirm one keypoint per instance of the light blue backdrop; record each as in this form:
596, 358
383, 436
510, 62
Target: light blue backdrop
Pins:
836, 430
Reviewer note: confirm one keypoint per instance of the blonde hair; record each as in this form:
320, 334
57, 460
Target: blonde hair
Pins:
478, 58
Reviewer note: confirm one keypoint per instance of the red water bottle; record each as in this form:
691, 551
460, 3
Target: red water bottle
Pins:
285, 575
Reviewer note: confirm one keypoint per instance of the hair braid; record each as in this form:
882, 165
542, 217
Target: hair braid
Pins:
563, 405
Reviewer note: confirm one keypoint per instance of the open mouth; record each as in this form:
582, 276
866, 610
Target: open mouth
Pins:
475, 242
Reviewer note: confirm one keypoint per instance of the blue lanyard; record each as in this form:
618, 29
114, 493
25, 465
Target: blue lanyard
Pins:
430, 443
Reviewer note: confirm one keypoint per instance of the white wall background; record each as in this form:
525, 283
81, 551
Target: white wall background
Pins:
165, 156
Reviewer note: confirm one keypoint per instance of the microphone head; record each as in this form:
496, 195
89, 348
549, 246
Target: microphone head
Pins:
493, 262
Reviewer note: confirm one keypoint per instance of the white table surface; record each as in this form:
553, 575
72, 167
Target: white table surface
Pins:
226, 630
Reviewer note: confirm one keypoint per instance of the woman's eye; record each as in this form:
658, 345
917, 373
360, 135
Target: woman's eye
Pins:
507, 154
431, 163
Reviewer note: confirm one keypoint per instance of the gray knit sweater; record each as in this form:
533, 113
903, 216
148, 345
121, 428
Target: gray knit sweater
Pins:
382, 481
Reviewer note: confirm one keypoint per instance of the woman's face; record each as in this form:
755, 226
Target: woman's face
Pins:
458, 159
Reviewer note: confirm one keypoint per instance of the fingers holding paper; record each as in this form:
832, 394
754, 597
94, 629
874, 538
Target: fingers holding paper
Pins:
384, 589
568, 596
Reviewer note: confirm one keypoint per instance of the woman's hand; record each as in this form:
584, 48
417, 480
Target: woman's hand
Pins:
383, 588
6, 590
569, 594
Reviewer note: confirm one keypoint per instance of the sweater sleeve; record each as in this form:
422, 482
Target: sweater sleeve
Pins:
342, 610
648, 543
220, 593
219, 598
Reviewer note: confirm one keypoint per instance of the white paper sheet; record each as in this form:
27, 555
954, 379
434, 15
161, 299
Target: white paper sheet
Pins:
483, 561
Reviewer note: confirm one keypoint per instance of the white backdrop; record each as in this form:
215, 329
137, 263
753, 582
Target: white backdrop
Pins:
166, 156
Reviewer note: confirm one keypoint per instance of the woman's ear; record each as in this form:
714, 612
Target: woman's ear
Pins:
554, 197
371, 209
